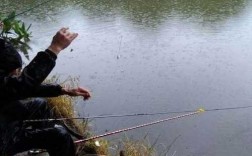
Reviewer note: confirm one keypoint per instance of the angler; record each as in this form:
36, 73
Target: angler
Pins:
17, 103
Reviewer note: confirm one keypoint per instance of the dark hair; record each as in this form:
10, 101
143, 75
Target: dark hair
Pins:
10, 59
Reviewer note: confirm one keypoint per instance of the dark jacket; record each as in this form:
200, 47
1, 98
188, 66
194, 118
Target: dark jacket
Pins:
15, 89
28, 84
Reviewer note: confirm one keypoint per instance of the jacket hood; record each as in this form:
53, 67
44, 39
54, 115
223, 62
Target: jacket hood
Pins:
10, 59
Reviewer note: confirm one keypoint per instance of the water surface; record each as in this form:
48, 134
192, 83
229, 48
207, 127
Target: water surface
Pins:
144, 56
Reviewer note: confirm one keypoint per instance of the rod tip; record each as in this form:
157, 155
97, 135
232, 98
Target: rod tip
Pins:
201, 110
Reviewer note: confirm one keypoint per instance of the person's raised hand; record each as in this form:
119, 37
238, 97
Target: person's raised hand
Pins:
61, 40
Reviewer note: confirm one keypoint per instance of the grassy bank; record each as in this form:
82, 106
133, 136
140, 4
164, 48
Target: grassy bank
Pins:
63, 106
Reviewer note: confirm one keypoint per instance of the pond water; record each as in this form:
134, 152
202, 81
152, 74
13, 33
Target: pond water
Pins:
147, 56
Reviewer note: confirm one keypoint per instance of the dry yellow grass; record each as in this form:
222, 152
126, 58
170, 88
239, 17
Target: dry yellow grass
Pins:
131, 147
63, 107
98, 146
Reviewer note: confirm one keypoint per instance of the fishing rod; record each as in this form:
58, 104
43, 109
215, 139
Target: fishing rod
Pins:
159, 121
133, 115
140, 126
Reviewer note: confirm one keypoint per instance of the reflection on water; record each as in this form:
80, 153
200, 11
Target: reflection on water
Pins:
147, 13
153, 13
140, 56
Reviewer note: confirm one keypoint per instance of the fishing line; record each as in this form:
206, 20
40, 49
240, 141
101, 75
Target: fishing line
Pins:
140, 126
158, 121
137, 114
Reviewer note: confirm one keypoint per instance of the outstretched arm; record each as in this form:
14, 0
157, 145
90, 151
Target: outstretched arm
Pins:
37, 70
79, 91
53, 90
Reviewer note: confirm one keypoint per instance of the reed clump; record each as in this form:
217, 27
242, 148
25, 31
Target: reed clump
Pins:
98, 146
63, 107
134, 147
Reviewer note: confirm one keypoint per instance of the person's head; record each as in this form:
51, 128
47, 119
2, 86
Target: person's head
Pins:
10, 59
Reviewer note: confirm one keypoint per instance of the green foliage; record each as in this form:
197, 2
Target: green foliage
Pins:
16, 32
